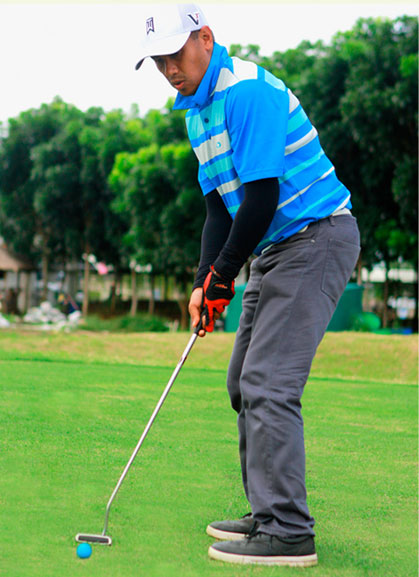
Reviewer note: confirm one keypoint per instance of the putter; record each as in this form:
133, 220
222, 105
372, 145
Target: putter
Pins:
103, 538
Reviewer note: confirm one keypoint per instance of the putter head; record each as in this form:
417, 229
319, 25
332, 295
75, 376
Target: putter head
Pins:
86, 538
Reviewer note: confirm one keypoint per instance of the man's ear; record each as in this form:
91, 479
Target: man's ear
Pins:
207, 37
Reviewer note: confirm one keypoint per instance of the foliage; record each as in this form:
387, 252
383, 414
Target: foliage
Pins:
361, 94
21, 224
182, 220
54, 164
125, 187
140, 323
366, 322
157, 193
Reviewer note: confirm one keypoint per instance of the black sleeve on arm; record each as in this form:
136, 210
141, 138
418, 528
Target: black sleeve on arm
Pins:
214, 235
249, 226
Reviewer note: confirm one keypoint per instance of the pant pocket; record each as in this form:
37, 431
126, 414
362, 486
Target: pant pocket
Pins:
340, 261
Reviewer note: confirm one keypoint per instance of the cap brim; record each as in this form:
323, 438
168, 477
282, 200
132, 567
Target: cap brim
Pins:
164, 46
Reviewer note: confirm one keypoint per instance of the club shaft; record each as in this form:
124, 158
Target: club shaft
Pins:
149, 425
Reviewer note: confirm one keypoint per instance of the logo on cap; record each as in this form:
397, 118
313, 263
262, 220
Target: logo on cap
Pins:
194, 18
149, 26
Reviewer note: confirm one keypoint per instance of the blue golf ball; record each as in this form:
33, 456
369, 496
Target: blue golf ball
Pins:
84, 550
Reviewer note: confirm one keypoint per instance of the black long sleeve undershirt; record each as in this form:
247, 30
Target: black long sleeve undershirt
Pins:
227, 244
215, 232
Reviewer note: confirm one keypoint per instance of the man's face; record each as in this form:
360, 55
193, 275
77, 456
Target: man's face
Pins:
186, 68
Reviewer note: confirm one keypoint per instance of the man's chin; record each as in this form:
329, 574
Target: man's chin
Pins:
185, 91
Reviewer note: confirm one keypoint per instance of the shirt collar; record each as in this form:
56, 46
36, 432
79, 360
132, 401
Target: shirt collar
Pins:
208, 82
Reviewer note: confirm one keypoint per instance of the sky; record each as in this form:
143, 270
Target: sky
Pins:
86, 52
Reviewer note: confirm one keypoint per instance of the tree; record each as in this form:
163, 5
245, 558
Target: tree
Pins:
379, 110
361, 94
54, 196
158, 197
55, 177
31, 128
182, 220
21, 220
126, 188
117, 133
142, 190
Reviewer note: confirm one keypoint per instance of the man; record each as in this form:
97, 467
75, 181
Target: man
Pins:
269, 190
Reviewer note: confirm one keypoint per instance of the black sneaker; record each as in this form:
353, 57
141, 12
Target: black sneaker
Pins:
232, 530
262, 549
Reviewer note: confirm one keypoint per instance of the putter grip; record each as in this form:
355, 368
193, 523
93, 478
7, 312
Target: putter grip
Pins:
199, 326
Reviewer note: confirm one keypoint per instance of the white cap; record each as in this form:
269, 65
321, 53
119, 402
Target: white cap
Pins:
167, 28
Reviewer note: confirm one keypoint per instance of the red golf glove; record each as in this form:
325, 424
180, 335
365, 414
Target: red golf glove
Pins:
216, 296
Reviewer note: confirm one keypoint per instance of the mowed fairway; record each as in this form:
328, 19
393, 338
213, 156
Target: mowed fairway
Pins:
74, 406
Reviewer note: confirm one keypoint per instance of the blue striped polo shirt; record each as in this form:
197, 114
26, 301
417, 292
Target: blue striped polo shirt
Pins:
244, 124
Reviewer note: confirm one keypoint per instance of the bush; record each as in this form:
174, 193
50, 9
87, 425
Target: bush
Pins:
366, 322
141, 323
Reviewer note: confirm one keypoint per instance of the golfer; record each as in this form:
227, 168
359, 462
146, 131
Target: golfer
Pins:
270, 191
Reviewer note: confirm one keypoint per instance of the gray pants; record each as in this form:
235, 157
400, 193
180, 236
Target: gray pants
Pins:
290, 298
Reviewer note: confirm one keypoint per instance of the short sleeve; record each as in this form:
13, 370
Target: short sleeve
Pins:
257, 117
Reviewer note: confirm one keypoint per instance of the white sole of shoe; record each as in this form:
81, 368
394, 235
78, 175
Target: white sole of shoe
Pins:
302, 561
224, 535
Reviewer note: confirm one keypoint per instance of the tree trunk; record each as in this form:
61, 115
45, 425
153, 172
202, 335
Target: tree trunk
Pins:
134, 298
113, 297
385, 299
152, 302
359, 271
166, 288
85, 308
183, 302
415, 317
72, 279
44, 295
184, 314
26, 289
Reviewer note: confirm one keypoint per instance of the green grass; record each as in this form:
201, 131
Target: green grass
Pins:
73, 407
